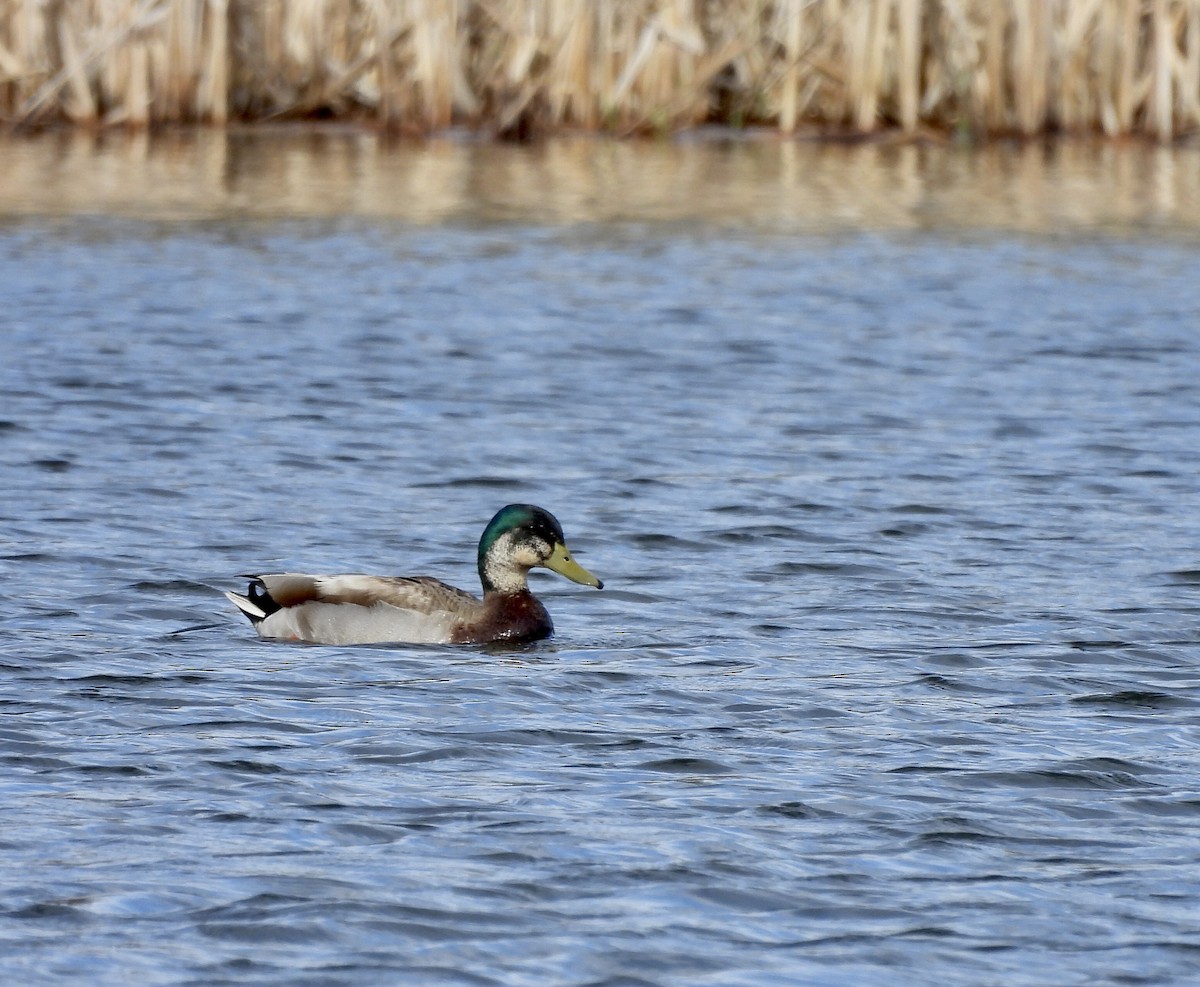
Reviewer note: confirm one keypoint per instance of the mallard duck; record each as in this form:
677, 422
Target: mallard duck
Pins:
420, 609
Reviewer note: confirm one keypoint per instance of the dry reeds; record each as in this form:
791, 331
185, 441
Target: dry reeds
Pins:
518, 66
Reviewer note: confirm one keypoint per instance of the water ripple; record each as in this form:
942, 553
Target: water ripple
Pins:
894, 679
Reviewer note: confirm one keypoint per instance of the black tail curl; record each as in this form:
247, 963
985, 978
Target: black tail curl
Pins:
257, 594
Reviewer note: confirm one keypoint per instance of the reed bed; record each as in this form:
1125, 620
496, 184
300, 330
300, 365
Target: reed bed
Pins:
519, 67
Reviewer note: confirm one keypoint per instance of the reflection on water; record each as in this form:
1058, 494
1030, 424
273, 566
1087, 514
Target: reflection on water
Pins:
759, 183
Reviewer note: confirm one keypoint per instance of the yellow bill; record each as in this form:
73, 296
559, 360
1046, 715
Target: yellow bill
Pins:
561, 562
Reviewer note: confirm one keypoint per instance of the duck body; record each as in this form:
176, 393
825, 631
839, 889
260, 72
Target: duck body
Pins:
361, 609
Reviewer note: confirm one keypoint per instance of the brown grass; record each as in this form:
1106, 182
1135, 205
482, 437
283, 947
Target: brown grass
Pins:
519, 67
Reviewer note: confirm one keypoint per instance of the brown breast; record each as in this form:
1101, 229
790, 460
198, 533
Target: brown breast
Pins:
507, 617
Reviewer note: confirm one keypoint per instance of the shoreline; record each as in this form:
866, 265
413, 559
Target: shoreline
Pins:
705, 133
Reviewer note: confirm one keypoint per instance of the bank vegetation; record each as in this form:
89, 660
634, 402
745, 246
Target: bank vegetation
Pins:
523, 67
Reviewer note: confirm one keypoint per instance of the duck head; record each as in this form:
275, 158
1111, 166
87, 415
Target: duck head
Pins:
518, 538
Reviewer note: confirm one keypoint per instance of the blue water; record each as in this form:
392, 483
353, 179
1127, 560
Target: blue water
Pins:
894, 679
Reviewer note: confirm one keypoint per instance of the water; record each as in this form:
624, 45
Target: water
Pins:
893, 680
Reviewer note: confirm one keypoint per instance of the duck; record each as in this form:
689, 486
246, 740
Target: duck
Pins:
360, 609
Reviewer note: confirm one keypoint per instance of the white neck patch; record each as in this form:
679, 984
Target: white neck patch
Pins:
507, 564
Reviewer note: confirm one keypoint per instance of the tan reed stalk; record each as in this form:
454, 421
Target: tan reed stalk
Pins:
835, 94
1190, 75
791, 11
856, 39
171, 60
109, 77
873, 65
1161, 70
436, 35
79, 104
1070, 94
638, 56
387, 109
602, 69
1023, 65
137, 100
13, 58
995, 70
213, 99
908, 62
570, 79
1127, 83
1103, 66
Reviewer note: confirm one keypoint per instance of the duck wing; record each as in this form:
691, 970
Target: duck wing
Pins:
424, 594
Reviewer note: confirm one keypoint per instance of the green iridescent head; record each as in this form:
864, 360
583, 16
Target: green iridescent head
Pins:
520, 537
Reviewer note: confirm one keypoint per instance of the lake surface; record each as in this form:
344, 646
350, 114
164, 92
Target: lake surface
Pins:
887, 457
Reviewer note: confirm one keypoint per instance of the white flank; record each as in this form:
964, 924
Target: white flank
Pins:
339, 623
